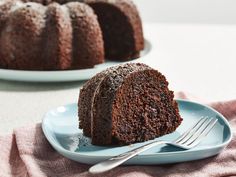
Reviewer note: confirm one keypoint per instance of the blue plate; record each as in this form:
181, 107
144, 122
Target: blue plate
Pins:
60, 127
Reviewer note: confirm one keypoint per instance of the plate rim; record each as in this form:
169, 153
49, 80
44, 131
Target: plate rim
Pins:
65, 151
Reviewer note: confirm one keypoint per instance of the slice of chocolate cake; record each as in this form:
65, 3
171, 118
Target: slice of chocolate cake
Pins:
127, 104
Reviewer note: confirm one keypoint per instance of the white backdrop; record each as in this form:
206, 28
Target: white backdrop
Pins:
188, 11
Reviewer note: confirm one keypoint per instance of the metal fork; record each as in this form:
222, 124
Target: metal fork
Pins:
187, 140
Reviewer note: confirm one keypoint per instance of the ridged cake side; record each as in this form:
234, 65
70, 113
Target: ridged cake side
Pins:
121, 27
88, 49
86, 98
85, 102
102, 102
53, 37
21, 36
57, 38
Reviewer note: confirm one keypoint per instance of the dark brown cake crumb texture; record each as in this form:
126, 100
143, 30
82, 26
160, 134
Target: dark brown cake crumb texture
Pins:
127, 104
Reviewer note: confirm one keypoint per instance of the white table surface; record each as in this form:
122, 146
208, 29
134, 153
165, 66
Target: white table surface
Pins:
197, 58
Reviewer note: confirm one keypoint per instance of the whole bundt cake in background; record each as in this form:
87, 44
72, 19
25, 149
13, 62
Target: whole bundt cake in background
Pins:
127, 104
53, 37
62, 34
121, 27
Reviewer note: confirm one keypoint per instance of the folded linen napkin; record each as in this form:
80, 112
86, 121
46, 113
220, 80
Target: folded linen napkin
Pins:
27, 153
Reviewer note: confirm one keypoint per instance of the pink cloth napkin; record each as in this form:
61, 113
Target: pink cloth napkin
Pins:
27, 153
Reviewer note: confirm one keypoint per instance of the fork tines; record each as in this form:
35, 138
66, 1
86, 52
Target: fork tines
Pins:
194, 135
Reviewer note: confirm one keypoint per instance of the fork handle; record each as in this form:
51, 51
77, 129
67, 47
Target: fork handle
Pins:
117, 160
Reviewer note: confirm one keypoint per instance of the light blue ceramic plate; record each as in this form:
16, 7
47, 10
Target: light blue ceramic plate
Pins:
60, 127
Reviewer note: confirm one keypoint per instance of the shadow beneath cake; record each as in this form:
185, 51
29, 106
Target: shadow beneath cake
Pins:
77, 143
168, 148
17, 86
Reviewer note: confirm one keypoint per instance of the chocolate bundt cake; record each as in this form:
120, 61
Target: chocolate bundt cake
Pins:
121, 27
62, 34
127, 104
53, 37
